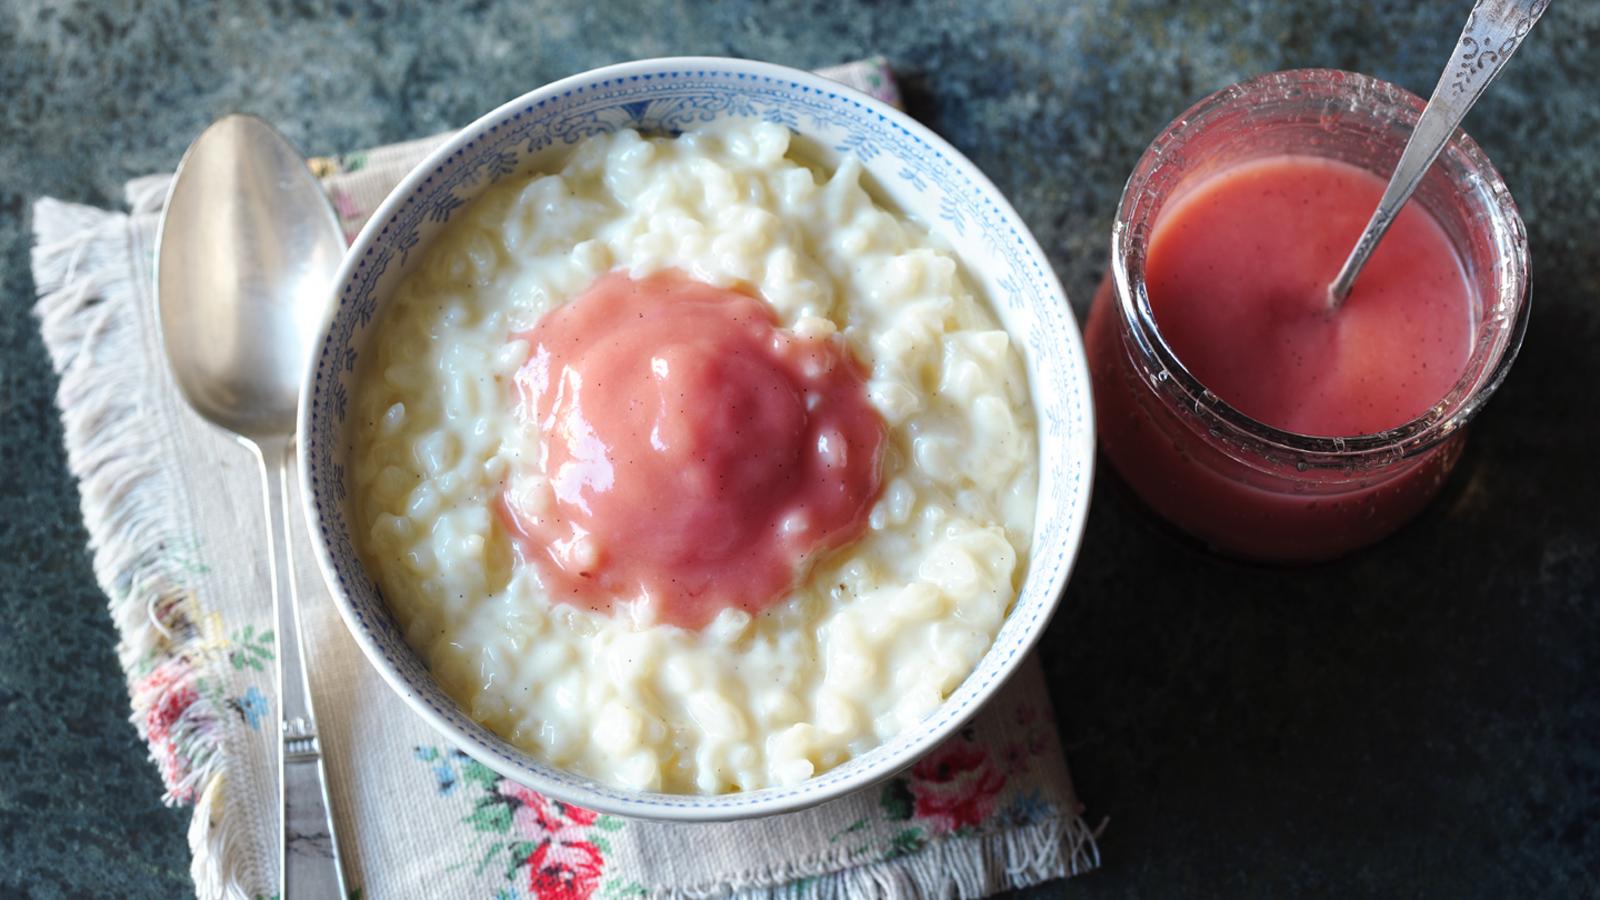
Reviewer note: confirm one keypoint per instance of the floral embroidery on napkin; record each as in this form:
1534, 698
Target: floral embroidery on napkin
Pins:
180, 688
352, 214
548, 849
956, 790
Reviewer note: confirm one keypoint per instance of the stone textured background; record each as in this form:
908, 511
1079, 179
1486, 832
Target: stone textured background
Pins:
1420, 719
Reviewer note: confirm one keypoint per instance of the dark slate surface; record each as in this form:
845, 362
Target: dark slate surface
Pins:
1420, 719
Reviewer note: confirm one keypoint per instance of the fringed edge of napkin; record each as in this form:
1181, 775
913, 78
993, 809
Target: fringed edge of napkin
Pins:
967, 867
89, 304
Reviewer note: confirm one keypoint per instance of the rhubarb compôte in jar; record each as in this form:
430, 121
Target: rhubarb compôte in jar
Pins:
1233, 396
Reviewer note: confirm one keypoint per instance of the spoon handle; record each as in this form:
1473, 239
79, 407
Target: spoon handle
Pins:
1494, 30
308, 852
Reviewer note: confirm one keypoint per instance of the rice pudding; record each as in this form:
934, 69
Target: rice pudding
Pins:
906, 455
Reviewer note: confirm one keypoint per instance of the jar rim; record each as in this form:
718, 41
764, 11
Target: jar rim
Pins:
1135, 218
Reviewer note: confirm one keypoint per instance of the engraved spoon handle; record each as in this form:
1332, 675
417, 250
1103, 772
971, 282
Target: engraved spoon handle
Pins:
308, 849
1494, 30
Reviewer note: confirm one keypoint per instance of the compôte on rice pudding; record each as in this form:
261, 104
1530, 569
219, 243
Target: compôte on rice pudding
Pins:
688, 467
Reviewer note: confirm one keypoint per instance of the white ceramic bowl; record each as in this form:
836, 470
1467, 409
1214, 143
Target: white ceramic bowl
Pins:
908, 168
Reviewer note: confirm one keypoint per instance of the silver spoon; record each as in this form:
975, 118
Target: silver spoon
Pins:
247, 253
1494, 31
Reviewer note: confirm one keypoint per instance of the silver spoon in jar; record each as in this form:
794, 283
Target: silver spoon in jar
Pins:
248, 249
1494, 31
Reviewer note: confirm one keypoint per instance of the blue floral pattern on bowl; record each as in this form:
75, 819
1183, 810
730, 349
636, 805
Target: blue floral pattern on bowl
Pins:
906, 166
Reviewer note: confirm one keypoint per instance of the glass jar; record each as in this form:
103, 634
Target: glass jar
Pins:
1240, 485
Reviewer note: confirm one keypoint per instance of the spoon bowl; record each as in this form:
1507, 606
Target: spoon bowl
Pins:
249, 246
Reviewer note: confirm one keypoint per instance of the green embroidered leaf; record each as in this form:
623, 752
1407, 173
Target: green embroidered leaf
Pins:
610, 823
617, 889
600, 843
491, 817
427, 754
520, 851
852, 828
896, 799
475, 771
185, 554
145, 665
214, 690
907, 841
488, 854
250, 650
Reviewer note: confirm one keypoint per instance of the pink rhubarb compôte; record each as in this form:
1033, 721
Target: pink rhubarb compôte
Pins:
695, 455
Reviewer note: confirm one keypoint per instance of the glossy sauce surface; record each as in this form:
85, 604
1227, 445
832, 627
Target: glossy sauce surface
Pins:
1238, 271
694, 455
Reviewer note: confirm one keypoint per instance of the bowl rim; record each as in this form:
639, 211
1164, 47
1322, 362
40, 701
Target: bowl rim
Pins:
1081, 443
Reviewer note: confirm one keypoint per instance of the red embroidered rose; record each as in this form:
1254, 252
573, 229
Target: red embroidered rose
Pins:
167, 710
534, 815
565, 871
174, 769
577, 815
955, 786
166, 694
169, 693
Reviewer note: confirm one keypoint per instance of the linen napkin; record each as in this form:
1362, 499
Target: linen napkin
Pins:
173, 509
